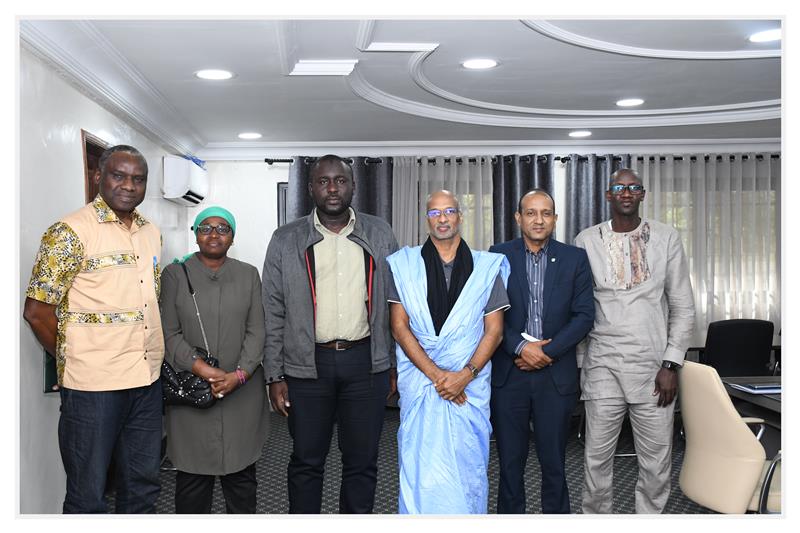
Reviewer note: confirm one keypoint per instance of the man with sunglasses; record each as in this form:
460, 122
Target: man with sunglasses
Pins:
444, 302
643, 324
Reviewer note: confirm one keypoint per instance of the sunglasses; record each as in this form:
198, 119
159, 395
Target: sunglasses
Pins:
635, 189
436, 213
206, 229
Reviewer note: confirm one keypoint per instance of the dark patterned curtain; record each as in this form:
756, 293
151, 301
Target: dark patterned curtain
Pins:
298, 202
587, 182
513, 176
373, 190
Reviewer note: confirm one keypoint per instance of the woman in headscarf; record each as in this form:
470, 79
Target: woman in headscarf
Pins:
224, 440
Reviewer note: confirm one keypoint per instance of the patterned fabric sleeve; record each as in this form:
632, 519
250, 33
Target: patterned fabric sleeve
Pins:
157, 269
57, 263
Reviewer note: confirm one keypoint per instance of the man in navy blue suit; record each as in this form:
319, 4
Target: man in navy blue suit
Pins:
535, 373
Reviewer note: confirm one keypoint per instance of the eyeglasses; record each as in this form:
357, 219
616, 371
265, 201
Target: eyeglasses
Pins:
634, 189
206, 229
436, 213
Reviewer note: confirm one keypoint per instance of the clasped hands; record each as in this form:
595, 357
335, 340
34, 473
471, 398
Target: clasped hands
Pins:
222, 383
532, 357
451, 385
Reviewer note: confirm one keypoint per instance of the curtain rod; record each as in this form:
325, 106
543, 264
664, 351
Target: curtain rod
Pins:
663, 158
309, 160
371, 160
525, 159
707, 157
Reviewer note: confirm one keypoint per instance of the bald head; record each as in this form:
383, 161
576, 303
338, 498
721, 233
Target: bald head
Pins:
534, 192
626, 173
443, 195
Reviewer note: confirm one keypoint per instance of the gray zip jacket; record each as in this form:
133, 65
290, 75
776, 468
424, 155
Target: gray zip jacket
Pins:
287, 281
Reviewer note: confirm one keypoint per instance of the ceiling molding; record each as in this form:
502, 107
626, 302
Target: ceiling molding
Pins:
287, 46
90, 72
364, 42
364, 34
415, 68
365, 90
257, 151
555, 32
401, 47
323, 67
137, 77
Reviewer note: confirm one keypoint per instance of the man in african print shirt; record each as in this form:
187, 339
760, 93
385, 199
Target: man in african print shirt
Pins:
93, 302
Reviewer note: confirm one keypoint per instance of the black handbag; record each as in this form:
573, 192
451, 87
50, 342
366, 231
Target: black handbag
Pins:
185, 388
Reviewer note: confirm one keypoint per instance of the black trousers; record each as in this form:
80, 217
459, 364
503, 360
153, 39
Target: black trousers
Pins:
194, 492
531, 396
348, 394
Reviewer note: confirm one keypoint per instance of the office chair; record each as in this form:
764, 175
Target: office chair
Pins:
724, 465
739, 347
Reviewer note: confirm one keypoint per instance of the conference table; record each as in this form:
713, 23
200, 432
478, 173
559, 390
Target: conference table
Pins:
766, 406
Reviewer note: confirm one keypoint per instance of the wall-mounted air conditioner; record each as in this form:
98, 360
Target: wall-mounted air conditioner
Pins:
185, 183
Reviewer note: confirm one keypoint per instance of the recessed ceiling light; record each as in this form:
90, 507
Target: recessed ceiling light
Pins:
766, 36
249, 136
479, 63
580, 133
214, 74
630, 102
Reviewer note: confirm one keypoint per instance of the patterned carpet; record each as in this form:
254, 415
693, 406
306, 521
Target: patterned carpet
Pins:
271, 472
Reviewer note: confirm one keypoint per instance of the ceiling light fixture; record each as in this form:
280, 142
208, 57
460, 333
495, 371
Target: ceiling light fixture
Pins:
249, 136
213, 74
580, 133
479, 64
766, 36
630, 102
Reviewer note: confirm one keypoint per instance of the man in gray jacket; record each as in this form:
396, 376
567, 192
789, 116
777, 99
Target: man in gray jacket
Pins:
328, 355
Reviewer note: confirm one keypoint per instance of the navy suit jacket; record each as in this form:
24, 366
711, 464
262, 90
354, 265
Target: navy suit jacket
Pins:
567, 313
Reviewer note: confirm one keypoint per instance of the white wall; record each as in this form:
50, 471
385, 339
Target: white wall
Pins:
249, 190
52, 114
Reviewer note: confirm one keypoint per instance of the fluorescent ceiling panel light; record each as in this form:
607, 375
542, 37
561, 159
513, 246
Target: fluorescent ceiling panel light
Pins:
630, 102
214, 74
323, 67
477, 64
580, 133
766, 36
249, 136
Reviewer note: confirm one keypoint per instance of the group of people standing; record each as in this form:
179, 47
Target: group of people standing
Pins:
475, 342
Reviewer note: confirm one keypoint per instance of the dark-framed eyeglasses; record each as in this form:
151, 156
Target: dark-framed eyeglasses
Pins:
206, 229
436, 213
635, 189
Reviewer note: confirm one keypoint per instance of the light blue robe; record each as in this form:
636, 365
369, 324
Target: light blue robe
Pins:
444, 447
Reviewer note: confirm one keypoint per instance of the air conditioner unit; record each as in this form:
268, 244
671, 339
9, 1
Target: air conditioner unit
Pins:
185, 183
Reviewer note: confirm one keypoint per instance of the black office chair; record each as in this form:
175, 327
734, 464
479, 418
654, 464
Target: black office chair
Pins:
739, 347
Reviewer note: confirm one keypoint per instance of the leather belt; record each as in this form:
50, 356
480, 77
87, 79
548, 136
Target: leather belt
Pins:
340, 345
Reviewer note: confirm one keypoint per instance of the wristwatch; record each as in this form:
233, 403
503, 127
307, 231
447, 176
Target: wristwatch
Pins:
669, 365
474, 370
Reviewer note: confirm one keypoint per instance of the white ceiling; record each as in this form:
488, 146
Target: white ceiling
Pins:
701, 80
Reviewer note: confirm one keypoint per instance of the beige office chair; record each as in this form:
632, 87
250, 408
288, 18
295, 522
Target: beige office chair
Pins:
724, 466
